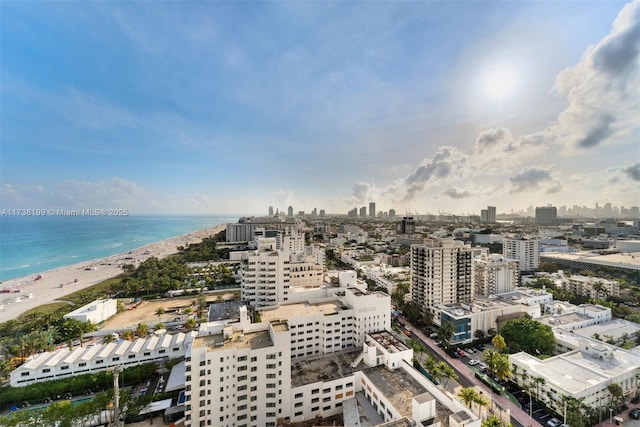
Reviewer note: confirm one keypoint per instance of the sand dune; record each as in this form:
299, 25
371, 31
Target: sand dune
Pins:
30, 291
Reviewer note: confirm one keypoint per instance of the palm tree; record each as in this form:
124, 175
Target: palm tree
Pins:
190, 323
600, 290
502, 367
159, 312
469, 396
537, 381
446, 332
478, 334
617, 394
491, 357
447, 372
127, 335
108, 339
142, 330
498, 343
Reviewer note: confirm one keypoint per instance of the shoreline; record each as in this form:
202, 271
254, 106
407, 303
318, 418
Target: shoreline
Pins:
37, 289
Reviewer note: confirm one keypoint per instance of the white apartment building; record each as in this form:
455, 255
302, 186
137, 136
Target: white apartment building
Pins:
333, 324
239, 375
494, 274
64, 363
441, 273
525, 250
269, 276
265, 275
586, 285
582, 373
97, 311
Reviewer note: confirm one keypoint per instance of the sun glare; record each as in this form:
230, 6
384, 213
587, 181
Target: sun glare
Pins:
499, 83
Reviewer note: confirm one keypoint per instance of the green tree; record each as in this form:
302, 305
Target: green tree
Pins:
493, 421
531, 336
470, 395
190, 323
491, 357
478, 335
142, 330
503, 367
446, 332
447, 372
159, 312
617, 395
498, 343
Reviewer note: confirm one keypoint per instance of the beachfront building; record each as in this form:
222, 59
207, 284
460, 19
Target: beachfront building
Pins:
441, 273
494, 274
524, 249
241, 375
271, 276
583, 373
97, 311
64, 363
337, 323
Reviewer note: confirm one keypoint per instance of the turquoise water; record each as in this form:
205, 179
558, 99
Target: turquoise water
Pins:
30, 245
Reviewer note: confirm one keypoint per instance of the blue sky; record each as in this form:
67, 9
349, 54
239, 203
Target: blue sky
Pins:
230, 107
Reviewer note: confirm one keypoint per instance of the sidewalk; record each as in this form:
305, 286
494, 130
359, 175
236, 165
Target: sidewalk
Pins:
515, 411
628, 422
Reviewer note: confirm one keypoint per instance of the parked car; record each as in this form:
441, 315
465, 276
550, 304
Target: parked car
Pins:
554, 422
635, 413
473, 362
433, 336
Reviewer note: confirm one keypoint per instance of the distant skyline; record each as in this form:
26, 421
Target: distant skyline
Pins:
231, 107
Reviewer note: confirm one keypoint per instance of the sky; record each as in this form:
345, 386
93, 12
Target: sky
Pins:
215, 107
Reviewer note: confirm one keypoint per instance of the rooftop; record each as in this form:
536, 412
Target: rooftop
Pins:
388, 341
629, 260
302, 309
250, 340
327, 367
398, 387
576, 370
615, 328
563, 319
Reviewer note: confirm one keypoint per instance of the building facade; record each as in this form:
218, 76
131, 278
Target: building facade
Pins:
494, 274
440, 273
525, 250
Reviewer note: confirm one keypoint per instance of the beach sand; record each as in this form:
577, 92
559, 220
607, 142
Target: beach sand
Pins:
30, 291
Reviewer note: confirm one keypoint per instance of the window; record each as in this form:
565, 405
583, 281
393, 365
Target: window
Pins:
326, 408
46, 370
271, 404
297, 414
298, 395
242, 377
271, 395
254, 359
241, 358
82, 365
115, 359
315, 391
326, 399
64, 368
271, 385
242, 397
315, 400
299, 404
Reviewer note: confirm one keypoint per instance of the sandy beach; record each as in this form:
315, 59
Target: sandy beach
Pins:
46, 287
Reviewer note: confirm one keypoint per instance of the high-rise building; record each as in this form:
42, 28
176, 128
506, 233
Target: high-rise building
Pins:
363, 211
290, 211
546, 215
392, 214
270, 210
322, 212
494, 274
491, 214
407, 225
441, 272
372, 210
525, 250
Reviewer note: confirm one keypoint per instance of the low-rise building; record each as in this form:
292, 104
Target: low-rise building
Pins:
64, 363
97, 311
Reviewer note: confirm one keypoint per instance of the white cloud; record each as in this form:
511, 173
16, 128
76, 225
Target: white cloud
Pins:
534, 179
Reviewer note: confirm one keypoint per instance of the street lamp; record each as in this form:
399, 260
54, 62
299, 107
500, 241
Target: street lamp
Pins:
610, 416
530, 404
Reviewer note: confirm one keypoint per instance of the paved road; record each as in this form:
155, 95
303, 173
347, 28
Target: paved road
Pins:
466, 378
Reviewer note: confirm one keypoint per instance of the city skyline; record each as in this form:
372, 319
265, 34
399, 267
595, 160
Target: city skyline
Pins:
216, 108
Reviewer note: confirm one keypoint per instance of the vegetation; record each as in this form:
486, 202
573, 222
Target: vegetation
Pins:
74, 386
531, 336
494, 421
470, 395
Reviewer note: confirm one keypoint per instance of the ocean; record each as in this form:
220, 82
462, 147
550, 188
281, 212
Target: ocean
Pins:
35, 244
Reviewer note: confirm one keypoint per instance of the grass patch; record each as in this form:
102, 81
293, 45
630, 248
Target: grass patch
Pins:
45, 309
97, 291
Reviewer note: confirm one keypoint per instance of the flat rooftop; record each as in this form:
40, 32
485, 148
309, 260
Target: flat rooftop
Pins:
252, 340
575, 371
615, 328
629, 260
227, 310
388, 341
327, 367
398, 387
563, 319
302, 309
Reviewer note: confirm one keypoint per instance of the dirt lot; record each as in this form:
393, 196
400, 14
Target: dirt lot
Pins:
145, 312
